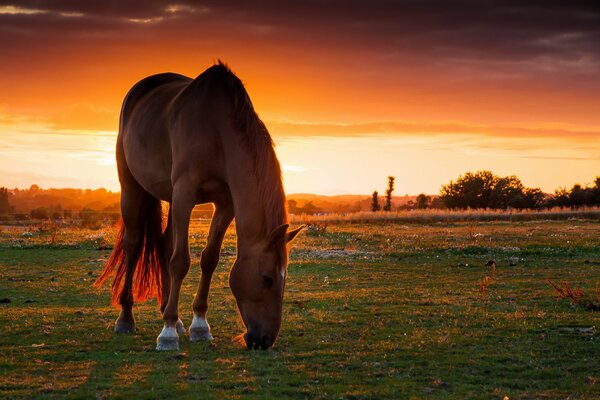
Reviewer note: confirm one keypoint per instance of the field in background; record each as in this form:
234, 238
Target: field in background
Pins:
445, 215
379, 310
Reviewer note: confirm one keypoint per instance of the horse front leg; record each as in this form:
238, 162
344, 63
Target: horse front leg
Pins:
179, 265
200, 329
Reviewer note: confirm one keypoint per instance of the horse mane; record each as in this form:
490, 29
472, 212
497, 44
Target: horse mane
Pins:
258, 141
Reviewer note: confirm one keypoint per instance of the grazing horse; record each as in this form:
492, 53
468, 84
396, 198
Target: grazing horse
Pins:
186, 142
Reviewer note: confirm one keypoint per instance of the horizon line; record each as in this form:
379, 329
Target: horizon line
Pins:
287, 194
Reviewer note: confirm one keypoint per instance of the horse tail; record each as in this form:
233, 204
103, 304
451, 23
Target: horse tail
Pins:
147, 281
149, 257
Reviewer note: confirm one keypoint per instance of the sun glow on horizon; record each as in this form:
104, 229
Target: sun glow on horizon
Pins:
322, 162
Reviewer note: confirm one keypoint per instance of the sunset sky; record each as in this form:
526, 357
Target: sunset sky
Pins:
351, 91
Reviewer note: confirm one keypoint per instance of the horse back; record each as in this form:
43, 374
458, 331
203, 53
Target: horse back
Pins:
143, 133
145, 86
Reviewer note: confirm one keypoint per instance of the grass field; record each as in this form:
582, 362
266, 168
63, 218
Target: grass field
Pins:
387, 310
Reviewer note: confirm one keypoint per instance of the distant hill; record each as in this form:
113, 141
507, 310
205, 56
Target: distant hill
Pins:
25, 200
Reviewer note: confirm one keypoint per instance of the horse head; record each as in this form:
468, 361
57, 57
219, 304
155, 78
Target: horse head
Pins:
257, 281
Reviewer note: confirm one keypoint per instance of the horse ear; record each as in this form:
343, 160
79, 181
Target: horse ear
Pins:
278, 234
293, 233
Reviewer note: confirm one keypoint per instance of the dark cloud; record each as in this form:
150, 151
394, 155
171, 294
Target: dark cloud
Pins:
509, 30
432, 47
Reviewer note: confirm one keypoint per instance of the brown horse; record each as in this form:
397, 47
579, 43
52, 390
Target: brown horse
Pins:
186, 142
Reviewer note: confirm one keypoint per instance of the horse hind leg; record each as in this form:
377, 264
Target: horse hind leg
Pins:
181, 206
166, 280
132, 240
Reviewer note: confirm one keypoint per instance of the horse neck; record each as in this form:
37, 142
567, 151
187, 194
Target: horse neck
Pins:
253, 217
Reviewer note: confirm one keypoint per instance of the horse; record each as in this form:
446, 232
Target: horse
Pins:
190, 141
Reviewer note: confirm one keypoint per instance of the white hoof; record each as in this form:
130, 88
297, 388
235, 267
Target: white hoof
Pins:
180, 328
200, 330
168, 339
197, 335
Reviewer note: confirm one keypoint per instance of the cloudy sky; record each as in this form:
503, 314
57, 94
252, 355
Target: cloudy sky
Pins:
352, 91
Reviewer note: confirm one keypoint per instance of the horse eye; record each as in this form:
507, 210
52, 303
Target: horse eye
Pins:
267, 281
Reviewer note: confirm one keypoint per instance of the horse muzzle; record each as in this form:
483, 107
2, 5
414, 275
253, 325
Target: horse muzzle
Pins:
255, 340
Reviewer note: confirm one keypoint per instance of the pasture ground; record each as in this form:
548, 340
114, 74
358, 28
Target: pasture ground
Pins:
386, 310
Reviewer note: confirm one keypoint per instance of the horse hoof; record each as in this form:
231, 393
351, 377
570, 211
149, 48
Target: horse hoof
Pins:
200, 334
200, 330
167, 340
125, 327
180, 328
167, 344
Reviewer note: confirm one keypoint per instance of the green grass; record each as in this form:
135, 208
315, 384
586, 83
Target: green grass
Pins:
371, 311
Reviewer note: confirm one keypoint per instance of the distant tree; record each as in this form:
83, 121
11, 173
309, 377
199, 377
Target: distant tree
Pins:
580, 196
561, 197
388, 194
375, 202
471, 190
577, 196
596, 192
506, 192
4, 204
310, 208
436, 203
483, 189
292, 206
534, 198
423, 201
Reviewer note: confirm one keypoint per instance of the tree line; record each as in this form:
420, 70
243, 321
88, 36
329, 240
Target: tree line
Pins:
481, 189
484, 189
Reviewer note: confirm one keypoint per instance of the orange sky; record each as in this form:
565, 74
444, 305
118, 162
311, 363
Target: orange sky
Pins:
350, 94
